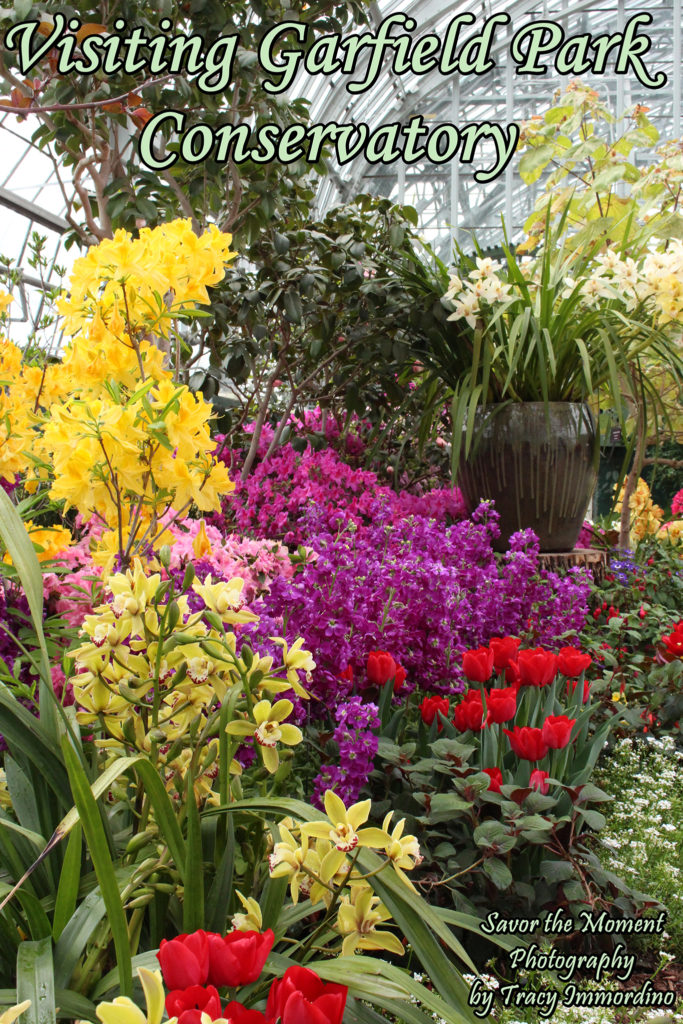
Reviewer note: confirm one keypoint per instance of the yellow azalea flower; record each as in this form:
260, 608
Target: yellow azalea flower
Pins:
201, 545
357, 919
252, 920
5, 299
402, 851
123, 1010
268, 729
293, 860
344, 832
49, 541
10, 1015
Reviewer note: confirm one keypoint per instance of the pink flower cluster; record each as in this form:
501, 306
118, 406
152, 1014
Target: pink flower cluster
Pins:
314, 422
277, 495
677, 503
257, 562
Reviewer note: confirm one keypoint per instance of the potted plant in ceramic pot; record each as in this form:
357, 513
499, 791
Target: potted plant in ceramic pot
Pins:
545, 336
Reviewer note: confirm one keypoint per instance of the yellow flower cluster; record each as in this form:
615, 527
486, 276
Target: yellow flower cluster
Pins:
126, 283
128, 463
153, 674
646, 517
49, 541
106, 428
318, 859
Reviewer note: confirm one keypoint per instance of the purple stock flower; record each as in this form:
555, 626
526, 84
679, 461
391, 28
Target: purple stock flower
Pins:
357, 748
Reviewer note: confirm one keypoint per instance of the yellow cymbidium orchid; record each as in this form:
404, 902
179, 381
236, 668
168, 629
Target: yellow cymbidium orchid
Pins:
10, 1015
402, 851
123, 1010
225, 599
295, 660
288, 860
252, 920
344, 832
268, 729
358, 917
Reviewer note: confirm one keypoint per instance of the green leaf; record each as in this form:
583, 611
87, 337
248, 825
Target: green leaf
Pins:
104, 869
69, 882
73, 1006
221, 887
293, 309
36, 917
80, 927
556, 870
18, 544
193, 896
29, 741
594, 819
533, 162
35, 981
498, 872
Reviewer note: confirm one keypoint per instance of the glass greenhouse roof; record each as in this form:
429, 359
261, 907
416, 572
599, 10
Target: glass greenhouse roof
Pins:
449, 200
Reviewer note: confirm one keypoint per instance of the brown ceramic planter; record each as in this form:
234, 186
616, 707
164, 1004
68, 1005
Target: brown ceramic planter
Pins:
540, 473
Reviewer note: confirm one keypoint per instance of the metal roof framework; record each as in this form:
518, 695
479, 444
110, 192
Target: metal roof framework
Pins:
449, 201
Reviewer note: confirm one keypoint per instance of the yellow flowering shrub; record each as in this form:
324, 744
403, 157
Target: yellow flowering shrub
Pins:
107, 430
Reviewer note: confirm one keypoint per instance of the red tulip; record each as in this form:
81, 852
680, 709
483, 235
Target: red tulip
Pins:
512, 674
478, 665
469, 714
539, 781
236, 1013
496, 777
429, 708
504, 649
571, 662
238, 957
381, 668
501, 704
536, 667
300, 997
573, 683
556, 731
527, 743
188, 1004
184, 960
